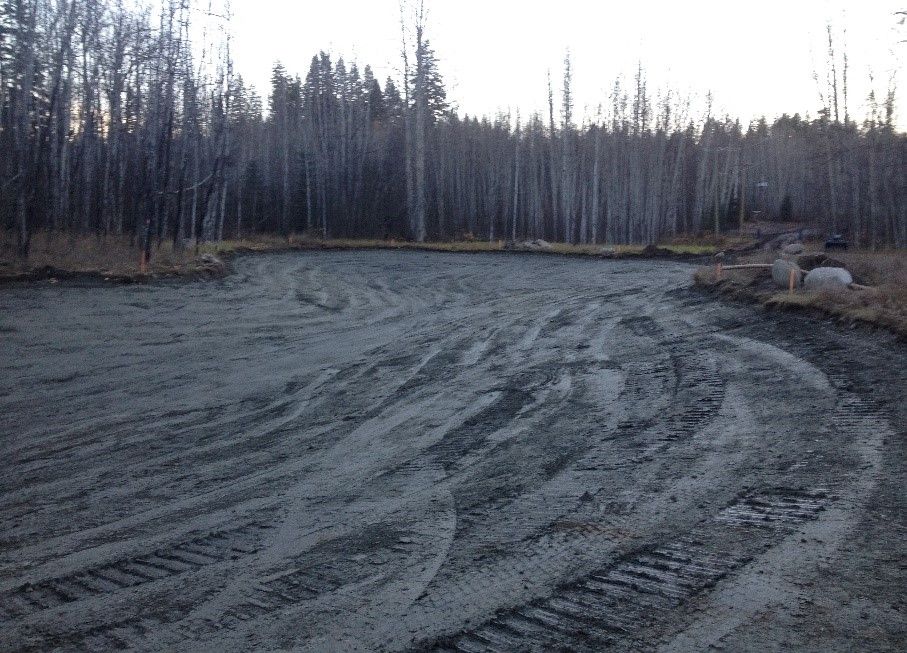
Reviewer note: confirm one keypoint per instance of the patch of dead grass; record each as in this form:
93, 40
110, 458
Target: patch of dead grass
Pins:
295, 241
883, 303
707, 243
89, 254
115, 257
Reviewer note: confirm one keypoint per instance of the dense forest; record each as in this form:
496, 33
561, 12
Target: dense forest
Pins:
116, 118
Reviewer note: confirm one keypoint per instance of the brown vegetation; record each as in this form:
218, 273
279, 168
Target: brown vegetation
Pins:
879, 298
111, 258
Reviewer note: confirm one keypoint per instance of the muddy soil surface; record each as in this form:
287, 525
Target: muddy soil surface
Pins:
409, 451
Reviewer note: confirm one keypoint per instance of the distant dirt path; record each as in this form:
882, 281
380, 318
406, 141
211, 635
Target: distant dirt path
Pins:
420, 451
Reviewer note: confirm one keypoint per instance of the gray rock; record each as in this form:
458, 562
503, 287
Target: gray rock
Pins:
210, 259
781, 270
534, 245
825, 278
608, 250
208, 266
780, 241
792, 249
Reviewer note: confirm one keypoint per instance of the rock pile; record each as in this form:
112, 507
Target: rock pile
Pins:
537, 245
812, 272
209, 266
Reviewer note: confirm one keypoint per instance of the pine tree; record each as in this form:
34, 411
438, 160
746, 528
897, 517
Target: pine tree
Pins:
435, 93
393, 101
374, 96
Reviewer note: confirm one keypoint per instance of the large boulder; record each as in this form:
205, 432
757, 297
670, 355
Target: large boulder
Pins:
827, 278
781, 270
793, 249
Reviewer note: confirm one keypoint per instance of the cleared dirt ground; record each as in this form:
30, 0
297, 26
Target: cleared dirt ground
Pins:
401, 450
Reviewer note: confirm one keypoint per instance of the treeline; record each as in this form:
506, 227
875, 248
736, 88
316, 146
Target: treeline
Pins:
118, 120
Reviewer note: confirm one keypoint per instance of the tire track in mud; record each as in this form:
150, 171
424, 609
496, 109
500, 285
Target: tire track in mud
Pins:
254, 428
501, 439
135, 570
456, 447
323, 570
493, 510
613, 605
762, 509
369, 390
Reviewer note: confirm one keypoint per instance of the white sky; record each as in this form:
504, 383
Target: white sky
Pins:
756, 57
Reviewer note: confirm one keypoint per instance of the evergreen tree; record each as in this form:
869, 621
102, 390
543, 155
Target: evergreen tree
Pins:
435, 93
374, 96
393, 101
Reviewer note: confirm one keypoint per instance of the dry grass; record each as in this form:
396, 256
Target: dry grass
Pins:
879, 268
108, 256
273, 243
58, 254
77, 253
267, 243
451, 246
883, 303
707, 243
696, 249
258, 243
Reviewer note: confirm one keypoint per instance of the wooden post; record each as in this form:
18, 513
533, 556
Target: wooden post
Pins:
719, 268
742, 199
792, 282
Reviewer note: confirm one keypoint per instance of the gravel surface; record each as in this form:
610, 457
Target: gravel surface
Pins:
419, 451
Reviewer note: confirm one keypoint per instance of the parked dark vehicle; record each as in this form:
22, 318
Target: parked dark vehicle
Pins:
836, 241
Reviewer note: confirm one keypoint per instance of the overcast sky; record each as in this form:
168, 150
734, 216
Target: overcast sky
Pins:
756, 57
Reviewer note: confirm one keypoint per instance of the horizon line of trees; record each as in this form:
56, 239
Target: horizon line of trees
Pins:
113, 122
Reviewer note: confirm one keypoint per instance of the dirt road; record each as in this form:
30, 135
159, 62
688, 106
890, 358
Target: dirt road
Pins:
393, 451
